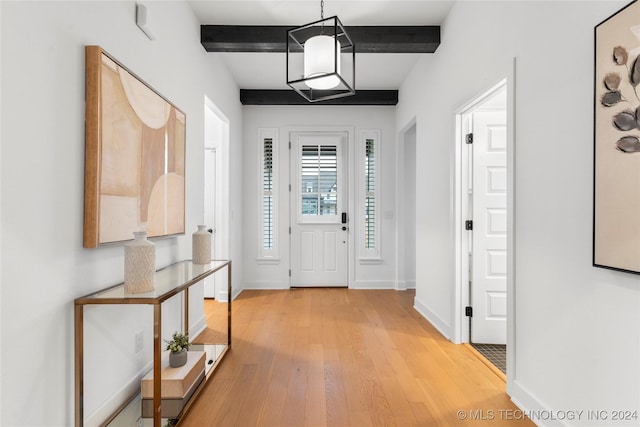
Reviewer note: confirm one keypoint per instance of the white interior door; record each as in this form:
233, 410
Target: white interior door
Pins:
319, 230
489, 245
210, 212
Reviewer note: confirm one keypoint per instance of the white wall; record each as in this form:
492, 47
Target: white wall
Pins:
577, 342
43, 265
259, 275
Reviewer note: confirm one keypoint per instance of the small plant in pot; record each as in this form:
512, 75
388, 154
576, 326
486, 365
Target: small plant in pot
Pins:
178, 346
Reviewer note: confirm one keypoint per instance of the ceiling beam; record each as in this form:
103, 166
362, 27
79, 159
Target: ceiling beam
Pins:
289, 97
268, 38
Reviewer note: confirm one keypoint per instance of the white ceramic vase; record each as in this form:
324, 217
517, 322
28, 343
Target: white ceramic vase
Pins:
201, 246
139, 264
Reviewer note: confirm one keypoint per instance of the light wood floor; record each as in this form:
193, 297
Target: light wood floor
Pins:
338, 357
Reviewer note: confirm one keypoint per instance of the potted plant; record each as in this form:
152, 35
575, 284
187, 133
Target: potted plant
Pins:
178, 346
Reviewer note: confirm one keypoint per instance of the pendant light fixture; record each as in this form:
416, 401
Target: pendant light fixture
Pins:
321, 59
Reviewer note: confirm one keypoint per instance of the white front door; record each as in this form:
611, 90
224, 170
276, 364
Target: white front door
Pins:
319, 229
489, 247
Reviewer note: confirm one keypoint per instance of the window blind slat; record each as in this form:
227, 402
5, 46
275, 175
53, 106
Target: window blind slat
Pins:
267, 199
370, 195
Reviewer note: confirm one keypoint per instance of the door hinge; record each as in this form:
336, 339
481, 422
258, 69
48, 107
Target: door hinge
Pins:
468, 225
468, 311
289, 273
289, 145
289, 188
289, 230
469, 138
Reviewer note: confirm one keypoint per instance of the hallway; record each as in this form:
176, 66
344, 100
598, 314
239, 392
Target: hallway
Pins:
339, 357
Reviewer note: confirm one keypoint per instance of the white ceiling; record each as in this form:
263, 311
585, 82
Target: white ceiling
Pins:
267, 70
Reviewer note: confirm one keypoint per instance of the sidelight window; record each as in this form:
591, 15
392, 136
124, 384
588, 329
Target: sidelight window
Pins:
267, 194
370, 194
370, 237
268, 190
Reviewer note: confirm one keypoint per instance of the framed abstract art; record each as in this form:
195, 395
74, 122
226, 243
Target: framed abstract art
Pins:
134, 156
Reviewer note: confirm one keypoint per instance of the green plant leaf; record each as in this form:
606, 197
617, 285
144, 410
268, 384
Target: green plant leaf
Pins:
179, 342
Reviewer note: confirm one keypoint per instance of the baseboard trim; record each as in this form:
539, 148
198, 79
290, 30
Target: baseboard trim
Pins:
531, 406
432, 318
267, 286
373, 284
223, 296
405, 284
358, 284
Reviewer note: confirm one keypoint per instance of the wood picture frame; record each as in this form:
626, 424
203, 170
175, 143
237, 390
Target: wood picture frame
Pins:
135, 143
616, 179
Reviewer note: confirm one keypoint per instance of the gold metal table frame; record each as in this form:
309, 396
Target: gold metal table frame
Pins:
169, 282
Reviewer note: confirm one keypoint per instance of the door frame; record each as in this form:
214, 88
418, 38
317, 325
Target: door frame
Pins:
209, 282
349, 160
461, 259
221, 244
401, 281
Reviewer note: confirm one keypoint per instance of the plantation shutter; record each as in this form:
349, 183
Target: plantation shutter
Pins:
267, 194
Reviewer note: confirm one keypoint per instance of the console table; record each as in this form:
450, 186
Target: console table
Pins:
169, 282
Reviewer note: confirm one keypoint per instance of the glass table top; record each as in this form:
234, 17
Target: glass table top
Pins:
168, 281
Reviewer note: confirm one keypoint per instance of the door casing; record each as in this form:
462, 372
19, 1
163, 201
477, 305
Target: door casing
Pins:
216, 135
462, 298
460, 331
210, 208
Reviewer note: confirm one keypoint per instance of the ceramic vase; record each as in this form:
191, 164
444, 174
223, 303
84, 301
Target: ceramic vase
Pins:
178, 358
201, 250
139, 264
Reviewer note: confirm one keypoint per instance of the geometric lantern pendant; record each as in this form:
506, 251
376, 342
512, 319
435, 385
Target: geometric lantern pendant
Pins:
321, 60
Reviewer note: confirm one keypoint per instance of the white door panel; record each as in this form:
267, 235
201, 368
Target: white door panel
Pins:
306, 249
489, 247
319, 245
496, 305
